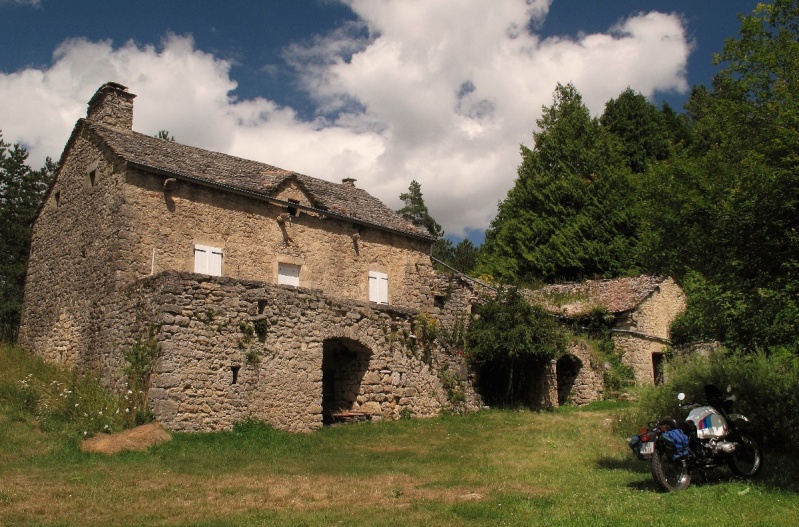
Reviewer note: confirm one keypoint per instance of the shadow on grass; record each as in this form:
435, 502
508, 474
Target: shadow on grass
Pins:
780, 472
628, 463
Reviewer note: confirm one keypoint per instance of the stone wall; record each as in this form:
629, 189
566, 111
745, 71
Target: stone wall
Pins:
576, 378
235, 349
650, 325
255, 236
72, 271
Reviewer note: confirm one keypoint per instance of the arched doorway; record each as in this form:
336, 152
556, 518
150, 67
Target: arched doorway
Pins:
344, 364
567, 368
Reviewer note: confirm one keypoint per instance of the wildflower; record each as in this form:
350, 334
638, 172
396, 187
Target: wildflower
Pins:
127, 410
100, 412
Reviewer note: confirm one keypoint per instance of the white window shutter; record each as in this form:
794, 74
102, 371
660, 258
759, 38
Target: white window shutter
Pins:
383, 281
215, 262
288, 274
378, 287
207, 260
200, 259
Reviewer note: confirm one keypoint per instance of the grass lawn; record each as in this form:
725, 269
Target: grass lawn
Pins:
492, 468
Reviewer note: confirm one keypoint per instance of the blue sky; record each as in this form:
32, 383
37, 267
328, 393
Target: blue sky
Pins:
386, 91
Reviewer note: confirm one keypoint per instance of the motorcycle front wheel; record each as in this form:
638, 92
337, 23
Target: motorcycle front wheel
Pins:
669, 474
747, 460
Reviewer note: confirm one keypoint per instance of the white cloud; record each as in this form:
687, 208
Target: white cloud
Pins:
441, 92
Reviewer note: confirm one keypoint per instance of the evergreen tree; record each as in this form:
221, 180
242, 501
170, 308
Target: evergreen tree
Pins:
164, 134
415, 210
21, 194
724, 214
570, 213
640, 127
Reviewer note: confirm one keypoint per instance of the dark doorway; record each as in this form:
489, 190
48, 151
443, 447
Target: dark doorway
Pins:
344, 363
657, 367
567, 367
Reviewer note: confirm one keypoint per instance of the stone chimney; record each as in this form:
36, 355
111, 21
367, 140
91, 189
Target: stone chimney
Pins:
348, 182
112, 105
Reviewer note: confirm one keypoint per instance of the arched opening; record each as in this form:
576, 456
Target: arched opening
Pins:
344, 364
567, 368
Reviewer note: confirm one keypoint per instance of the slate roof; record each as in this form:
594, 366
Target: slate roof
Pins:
617, 296
251, 177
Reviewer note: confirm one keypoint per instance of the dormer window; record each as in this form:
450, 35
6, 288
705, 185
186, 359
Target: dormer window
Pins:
293, 210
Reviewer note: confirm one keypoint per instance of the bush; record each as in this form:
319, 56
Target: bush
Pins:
766, 386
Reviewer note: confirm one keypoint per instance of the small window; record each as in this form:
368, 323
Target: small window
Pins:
57, 198
378, 287
293, 207
92, 178
288, 274
208, 260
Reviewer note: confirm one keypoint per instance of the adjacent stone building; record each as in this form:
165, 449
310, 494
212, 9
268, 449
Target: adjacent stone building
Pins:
643, 308
270, 294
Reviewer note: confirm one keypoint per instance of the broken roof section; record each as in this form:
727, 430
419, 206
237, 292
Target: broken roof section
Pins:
110, 119
575, 299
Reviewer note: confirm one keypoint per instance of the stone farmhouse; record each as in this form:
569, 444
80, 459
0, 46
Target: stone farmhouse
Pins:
272, 295
643, 307
268, 294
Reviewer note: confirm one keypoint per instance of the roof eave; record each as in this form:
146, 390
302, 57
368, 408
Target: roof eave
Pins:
265, 197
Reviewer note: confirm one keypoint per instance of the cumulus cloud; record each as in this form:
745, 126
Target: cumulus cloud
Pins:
408, 91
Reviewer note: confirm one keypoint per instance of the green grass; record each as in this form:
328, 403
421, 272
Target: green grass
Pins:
493, 468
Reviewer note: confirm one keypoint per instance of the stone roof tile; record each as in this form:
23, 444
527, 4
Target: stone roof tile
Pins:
250, 176
617, 296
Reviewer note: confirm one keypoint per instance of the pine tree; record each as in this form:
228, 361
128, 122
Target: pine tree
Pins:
570, 213
21, 194
416, 211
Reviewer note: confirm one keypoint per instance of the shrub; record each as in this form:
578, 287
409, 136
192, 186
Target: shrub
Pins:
766, 386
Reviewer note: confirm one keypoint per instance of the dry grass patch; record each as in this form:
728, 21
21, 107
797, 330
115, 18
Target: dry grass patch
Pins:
136, 439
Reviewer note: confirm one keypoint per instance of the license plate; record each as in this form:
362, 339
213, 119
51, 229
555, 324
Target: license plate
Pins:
648, 448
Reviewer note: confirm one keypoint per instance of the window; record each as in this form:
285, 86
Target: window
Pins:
92, 178
208, 260
292, 208
288, 274
378, 287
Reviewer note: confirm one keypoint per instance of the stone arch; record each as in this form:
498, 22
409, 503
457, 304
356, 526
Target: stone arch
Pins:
345, 362
567, 369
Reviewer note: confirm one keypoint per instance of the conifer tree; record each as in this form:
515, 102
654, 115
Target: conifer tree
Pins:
21, 193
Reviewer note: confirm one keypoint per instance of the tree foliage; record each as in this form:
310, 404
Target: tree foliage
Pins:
722, 214
21, 192
570, 213
461, 256
415, 210
507, 341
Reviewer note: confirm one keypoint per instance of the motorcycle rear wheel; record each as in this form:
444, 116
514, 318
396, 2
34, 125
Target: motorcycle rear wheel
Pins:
747, 460
670, 475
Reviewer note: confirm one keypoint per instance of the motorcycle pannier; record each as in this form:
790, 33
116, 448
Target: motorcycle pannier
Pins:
676, 442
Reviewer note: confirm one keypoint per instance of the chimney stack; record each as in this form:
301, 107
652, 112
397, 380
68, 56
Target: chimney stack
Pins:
348, 182
112, 105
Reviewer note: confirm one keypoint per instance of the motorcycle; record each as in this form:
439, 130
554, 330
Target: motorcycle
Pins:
710, 436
